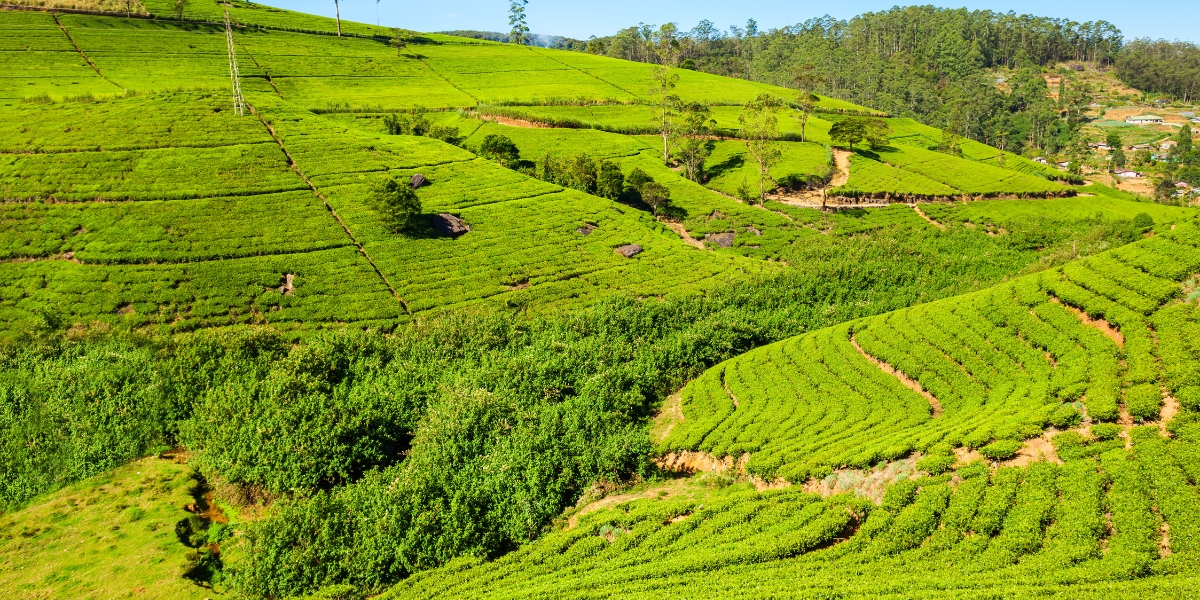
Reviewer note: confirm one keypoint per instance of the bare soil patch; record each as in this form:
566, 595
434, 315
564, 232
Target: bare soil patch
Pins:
1100, 324
1035, 449
908, 382
519, 123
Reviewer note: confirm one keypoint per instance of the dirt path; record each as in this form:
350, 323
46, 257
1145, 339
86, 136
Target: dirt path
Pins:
841, 160
678, 228
920, 212
901, 377
670, 415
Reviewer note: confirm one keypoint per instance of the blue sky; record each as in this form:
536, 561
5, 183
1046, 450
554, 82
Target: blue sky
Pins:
1171, 19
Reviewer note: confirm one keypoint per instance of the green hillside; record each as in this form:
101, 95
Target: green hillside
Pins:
1108, 508
493, 397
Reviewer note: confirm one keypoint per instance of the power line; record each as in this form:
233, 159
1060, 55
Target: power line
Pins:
239, 103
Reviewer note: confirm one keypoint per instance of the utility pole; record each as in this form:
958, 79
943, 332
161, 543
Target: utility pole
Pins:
337, 13
239, 103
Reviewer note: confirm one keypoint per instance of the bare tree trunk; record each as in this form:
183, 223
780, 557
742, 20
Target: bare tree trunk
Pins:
338, 13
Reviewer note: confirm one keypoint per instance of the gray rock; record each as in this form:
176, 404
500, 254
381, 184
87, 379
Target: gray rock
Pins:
629, 251
587, 229
418, 181
722, 240
450, 225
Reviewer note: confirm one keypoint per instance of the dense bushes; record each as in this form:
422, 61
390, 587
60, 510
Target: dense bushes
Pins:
328, 411
505, 418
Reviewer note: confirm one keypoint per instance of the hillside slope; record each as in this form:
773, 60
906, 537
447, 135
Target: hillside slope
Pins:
1104, 509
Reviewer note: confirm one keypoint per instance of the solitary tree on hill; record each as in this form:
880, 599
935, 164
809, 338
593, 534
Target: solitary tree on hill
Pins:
516, 20
848, 131
759, 125
806, 79
695, 129
397, 204
666, 101
500, 149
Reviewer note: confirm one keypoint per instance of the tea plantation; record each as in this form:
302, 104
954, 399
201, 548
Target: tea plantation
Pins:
433, 317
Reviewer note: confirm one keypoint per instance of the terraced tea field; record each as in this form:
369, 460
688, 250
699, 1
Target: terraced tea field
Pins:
1104, 505
902, 373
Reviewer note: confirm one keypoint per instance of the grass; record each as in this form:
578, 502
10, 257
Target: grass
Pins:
111, 536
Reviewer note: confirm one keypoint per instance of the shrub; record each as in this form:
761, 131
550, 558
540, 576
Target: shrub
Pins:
1065, 416
899, 495
1001, 449
1106, 431
936, 464
406, 124
1143, 221
1189, 397
610, 182
1070, 439
1144, 401
500, 149
396, 203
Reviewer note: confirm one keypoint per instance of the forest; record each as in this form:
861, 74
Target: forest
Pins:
940, 66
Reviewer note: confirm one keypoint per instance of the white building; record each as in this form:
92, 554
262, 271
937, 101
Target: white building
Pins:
1145, 120
1127, 174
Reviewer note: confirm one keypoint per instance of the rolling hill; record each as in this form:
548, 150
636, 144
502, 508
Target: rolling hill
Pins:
902, 372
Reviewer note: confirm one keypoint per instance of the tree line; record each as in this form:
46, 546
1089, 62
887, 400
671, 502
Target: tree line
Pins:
1161, 67
924, 62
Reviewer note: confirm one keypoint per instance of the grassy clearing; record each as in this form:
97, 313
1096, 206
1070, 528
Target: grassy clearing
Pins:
111, 536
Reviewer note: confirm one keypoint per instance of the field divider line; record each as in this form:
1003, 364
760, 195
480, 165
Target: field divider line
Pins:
448, 82
899, 376
52, 200
99, 150
260, 68
597, 78
329, 207
70, 257
81, 52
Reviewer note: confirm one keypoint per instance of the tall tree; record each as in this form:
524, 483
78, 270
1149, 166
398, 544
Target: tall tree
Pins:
760, 125
848, 131
806, 80
516, 20
695, 128
666, 101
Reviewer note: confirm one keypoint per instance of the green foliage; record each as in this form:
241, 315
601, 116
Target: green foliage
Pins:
397, 204
1001, 450
849, 132
1106, 431
610, 181
1144, 401
500, 149
308, 421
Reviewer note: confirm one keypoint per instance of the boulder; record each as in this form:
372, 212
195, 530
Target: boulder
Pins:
587, 229
722, 240
629, 251
450, 225
418, 181
754, 231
